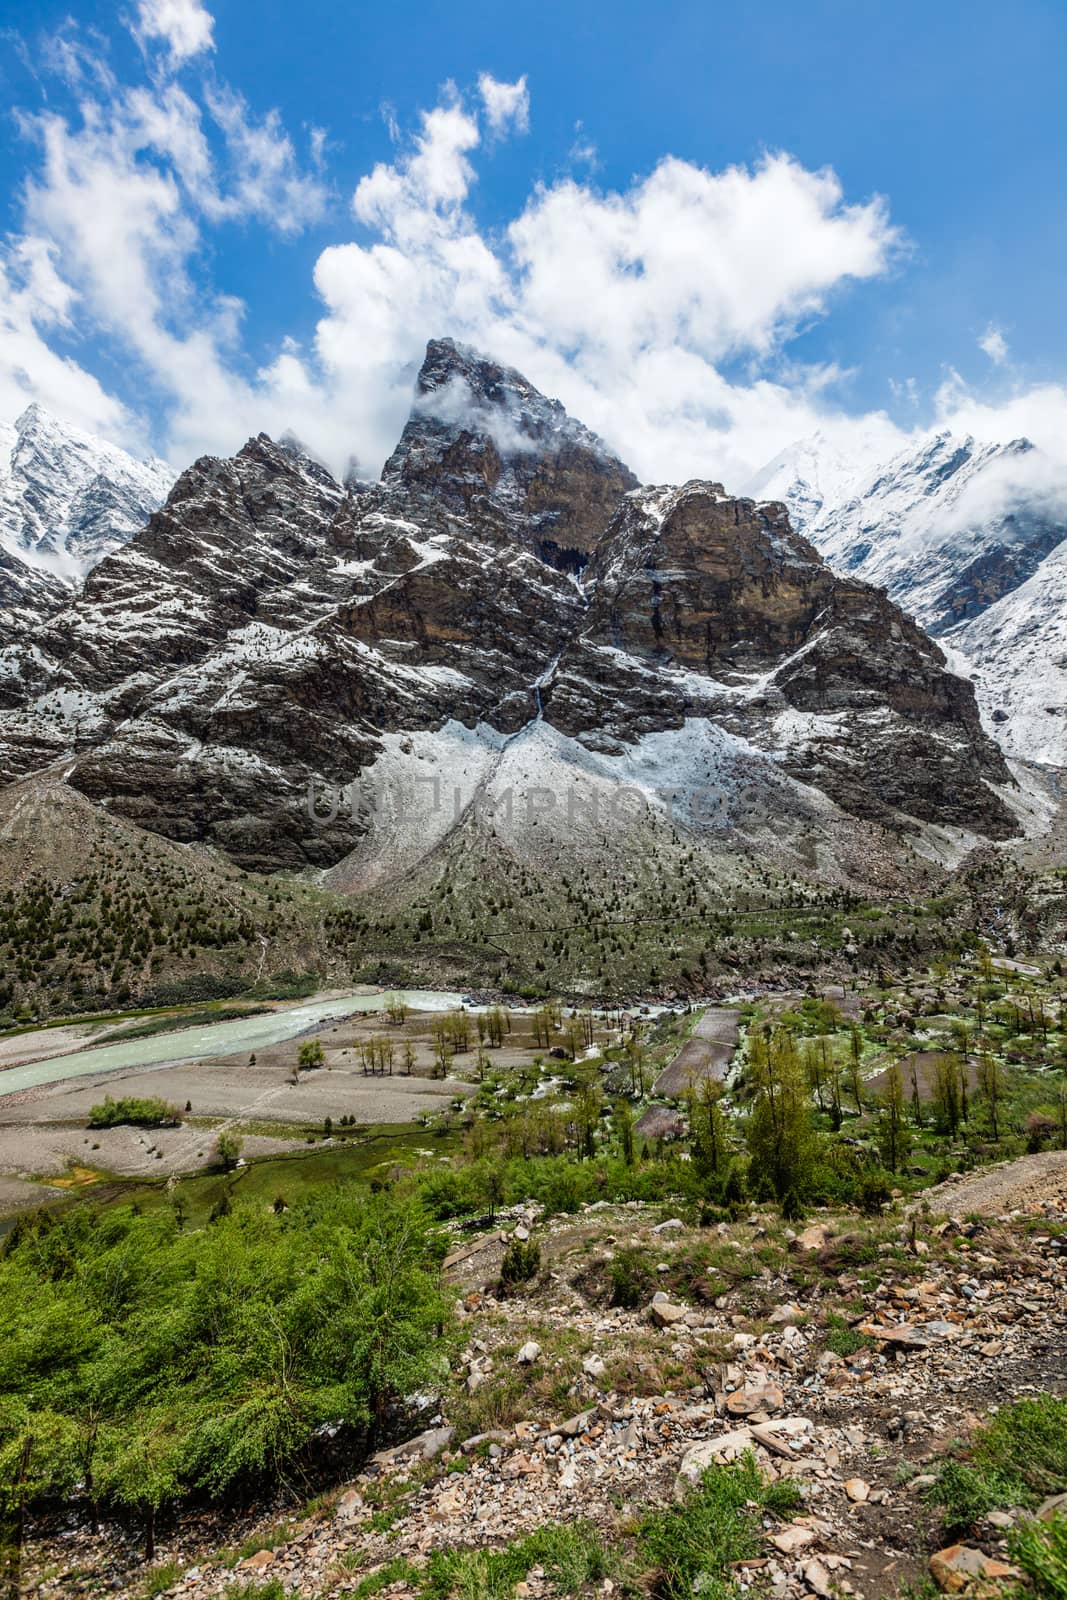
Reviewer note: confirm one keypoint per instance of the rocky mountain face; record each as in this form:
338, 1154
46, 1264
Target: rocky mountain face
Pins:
67, 499
505, 614
969, 539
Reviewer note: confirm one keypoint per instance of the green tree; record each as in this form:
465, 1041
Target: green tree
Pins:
781, 1140
947, 1109
310, 1055
855, 1064
707, 1131
624, 1122
894, 1136
991, 1087
228, 1148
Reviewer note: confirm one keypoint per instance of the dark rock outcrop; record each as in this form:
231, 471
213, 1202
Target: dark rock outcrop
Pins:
271, 629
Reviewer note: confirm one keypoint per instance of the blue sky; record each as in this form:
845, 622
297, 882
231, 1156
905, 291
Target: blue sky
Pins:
189, 255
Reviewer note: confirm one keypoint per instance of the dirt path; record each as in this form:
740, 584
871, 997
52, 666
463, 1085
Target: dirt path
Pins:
1013, 1186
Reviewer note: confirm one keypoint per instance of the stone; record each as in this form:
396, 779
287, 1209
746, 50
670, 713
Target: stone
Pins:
577, 1424
814, 1237
710, 1453
745, 1401
858, 1490
817, 1579
349, 1506
594, 1367
259, 1562
785, 1313
1055, 1504
665, 1313
960, 1566
530, 1352
792, 1538
476, 1440
425, 1446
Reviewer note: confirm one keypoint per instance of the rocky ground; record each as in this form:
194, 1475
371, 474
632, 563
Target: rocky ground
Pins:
848, 1357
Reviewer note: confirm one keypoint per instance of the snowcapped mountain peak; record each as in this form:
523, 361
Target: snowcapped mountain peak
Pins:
967, 535
479, 430
68, 498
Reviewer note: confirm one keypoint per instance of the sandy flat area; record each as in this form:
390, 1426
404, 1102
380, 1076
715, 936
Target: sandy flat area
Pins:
45, 1042
44, 1130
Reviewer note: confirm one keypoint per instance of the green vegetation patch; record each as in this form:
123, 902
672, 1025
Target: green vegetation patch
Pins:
151, 1112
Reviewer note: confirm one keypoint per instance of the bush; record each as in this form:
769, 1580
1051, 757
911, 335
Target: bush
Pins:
522, 1261
966, 1494
149, 1113
1018, 1458
873, 1190
214, 1356
631, 1279
1029, 1441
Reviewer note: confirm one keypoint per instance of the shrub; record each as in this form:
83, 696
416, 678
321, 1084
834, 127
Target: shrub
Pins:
522, 1261
216, 1355
631, 1279
1029, 1441
148, 1113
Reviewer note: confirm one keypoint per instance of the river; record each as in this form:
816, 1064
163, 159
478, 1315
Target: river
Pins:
240, 1035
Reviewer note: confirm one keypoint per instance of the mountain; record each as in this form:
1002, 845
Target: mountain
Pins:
67, 500
505, 637
966, 537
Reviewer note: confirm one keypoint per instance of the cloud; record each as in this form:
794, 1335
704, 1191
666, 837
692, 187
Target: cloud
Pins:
184, 26
625, 304
995, 345
662, 312
33, 299
506, 105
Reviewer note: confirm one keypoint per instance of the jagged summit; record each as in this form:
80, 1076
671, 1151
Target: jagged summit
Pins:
68, 498
481, 432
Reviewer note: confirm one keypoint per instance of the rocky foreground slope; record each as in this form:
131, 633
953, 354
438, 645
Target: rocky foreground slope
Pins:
851, 1359
504, 620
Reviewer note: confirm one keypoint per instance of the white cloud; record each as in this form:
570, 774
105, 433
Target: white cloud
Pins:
33, 298
184, 26
660, 313
506, 105
622, 304
995, 345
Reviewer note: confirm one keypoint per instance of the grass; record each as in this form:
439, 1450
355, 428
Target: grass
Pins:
1017, 1459
270, 1540
842, 1340
717, 1525
1040, 1549
160, 1579
255, 1589
572, 1556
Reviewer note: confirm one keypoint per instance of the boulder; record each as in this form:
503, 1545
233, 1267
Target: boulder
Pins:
711, 1453
665, 1313
961, 1566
